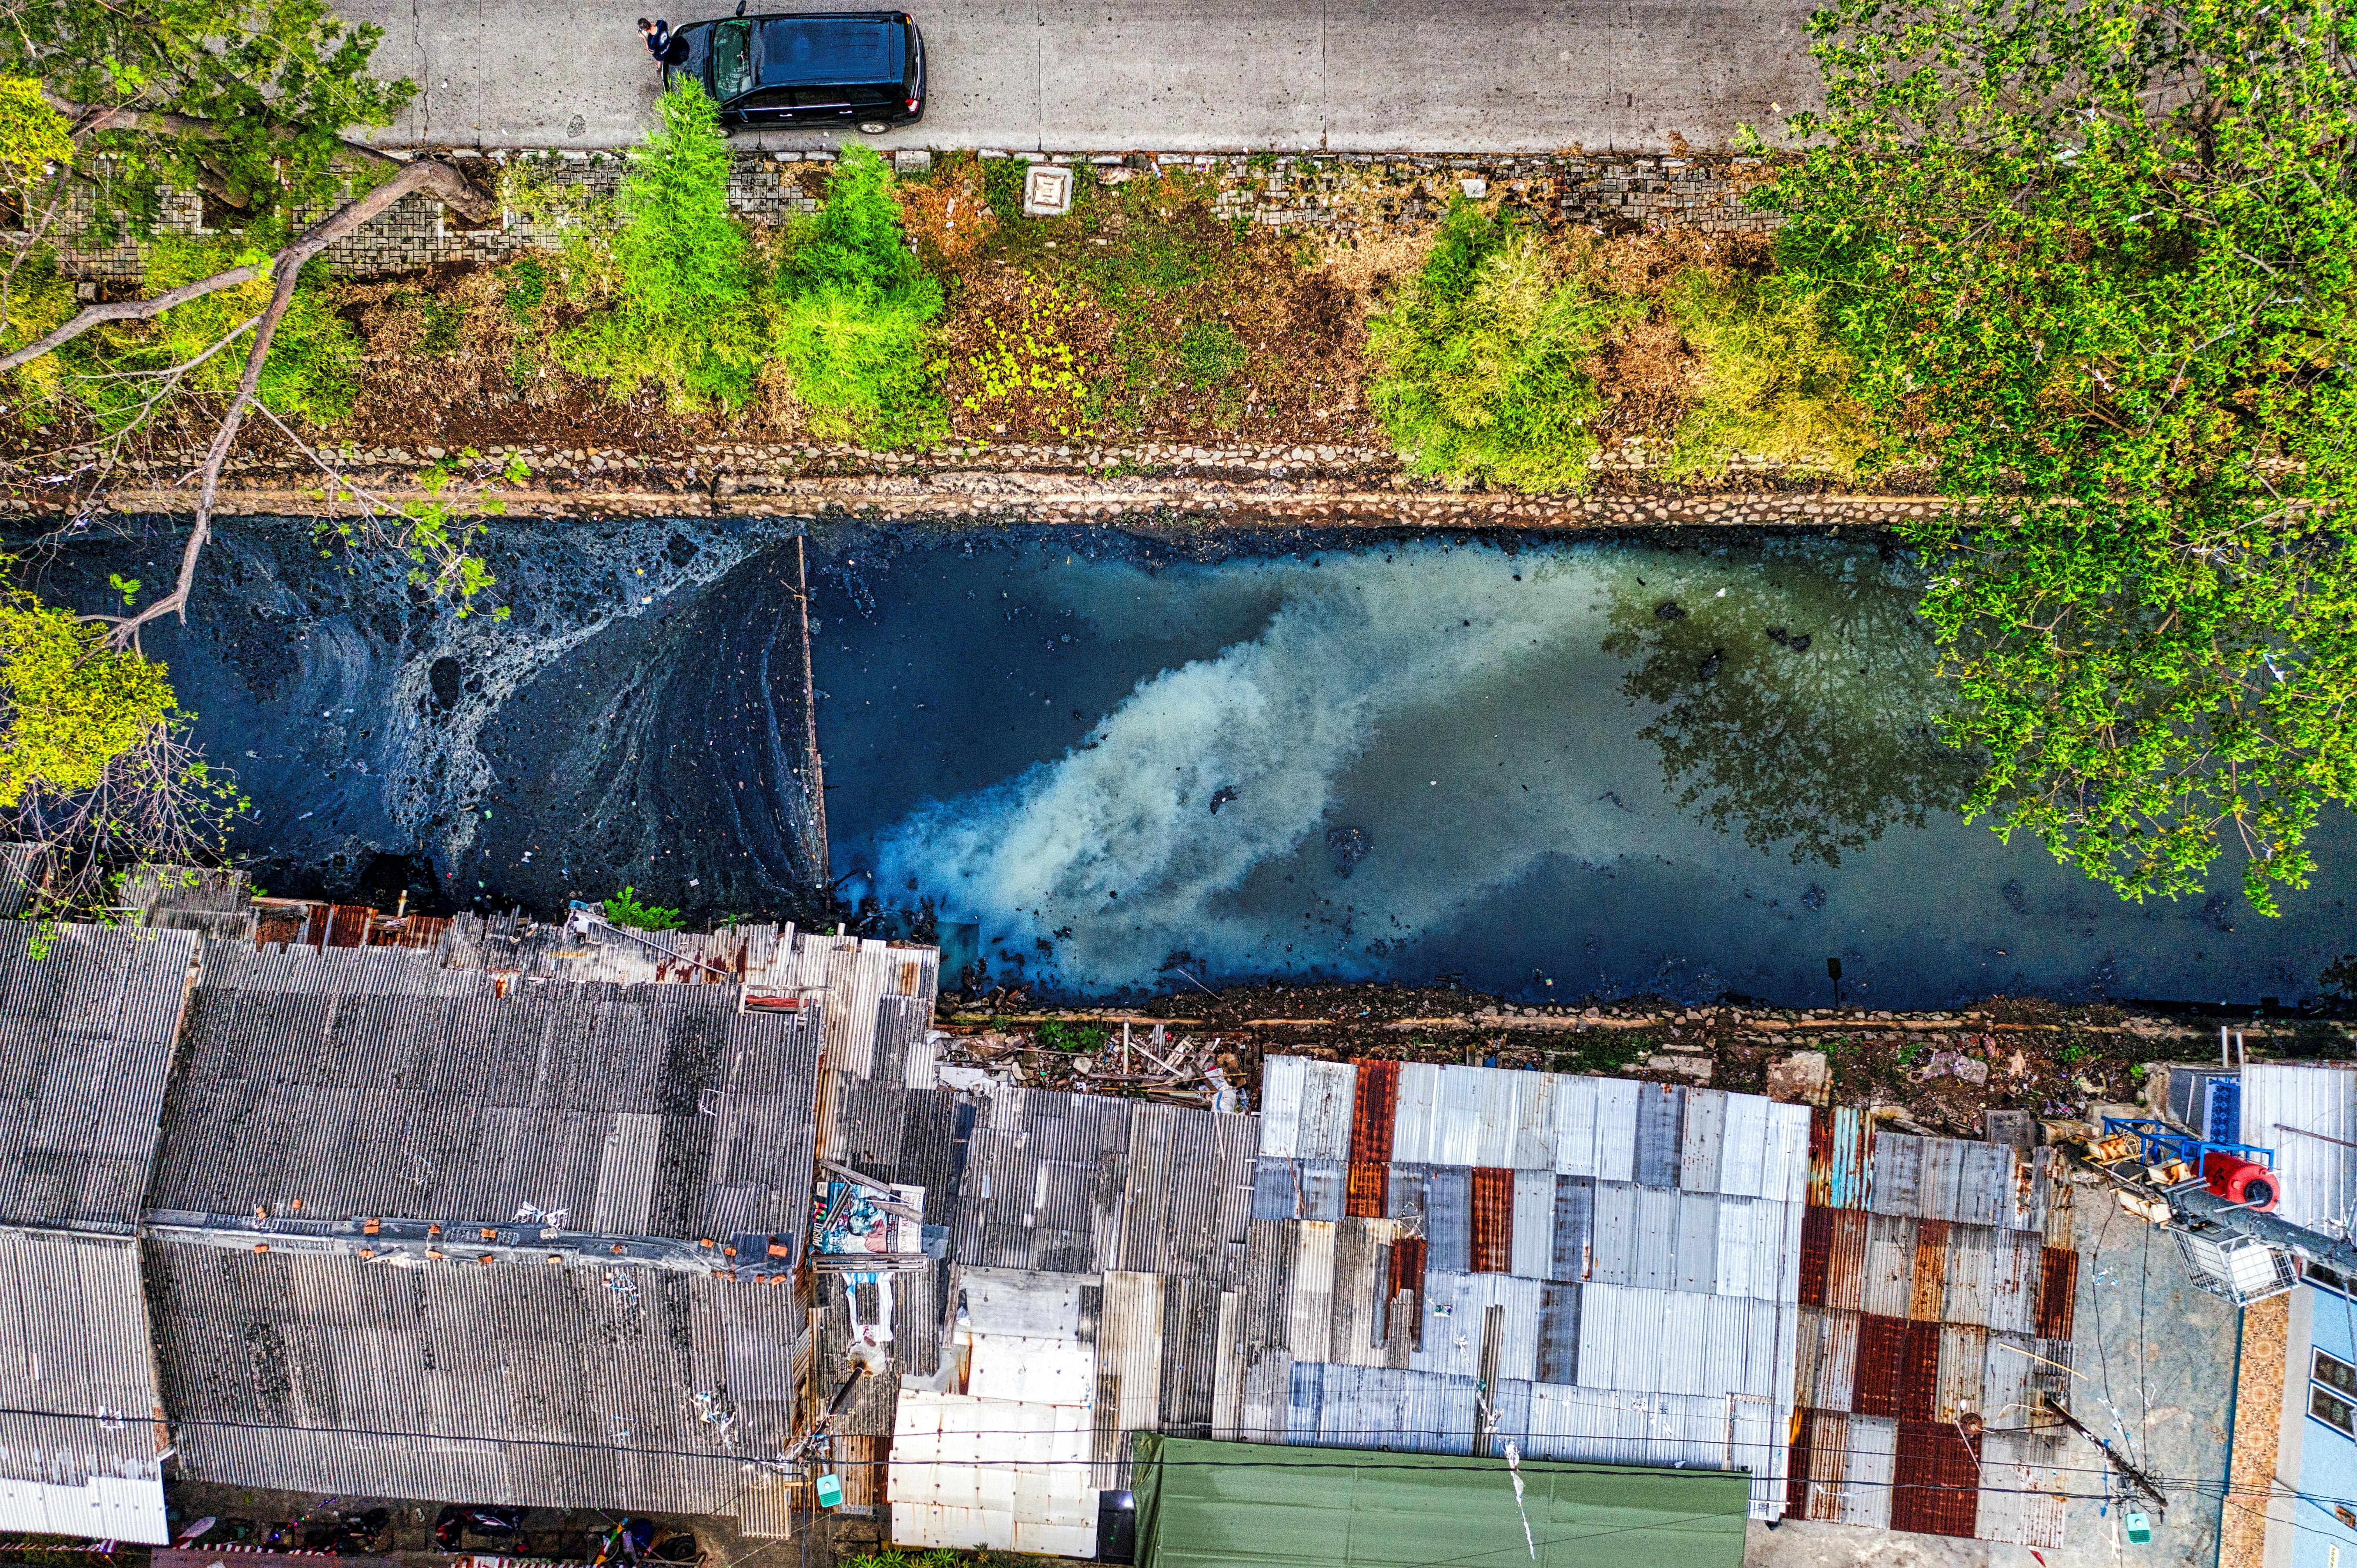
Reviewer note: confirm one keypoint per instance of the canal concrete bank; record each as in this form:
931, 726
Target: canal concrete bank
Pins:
1248, 485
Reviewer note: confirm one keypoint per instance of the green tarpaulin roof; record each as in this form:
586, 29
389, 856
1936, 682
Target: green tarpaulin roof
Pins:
1252, 1505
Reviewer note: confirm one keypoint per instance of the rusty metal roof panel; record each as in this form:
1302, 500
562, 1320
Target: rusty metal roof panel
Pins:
1448, 1218
1703, 1149
1415, 1122
1841, 1163
1612, 1247
1851, 1462
1846, 1260
1374, 1112
1889, 1265
2028, 1193
1493, 1220
1660, 1134
1616, 1129
1533, 1241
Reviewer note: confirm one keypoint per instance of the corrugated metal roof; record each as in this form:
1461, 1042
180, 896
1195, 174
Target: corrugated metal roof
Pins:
1889, 1280
1491, 1248
1573, 1227
1825, 1370
1187, 1195
86, 1042
1374, 1112
2020, 1501
1703, 1150
1852, 1463
74, 1340
1415, 1124
1840, 1158
1964, 1359
1130, 1338
542, 1385
1972, 1283
2058, 1292
1936, 1477
1612, 1244
2318, 1175
1845, 1259
1534, 1223
1660, 1134
1448, 1218
1457, 1330
1927, 1289
472, 1108
952, 1484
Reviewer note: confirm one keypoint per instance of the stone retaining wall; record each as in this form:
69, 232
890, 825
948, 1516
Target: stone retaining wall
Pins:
1337, 195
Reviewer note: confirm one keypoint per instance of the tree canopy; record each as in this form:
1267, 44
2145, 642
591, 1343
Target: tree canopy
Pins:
2095, 263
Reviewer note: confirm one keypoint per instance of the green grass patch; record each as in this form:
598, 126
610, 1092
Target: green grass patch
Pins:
1774, 380
851, 311
677, 283
1481, 355
1071, 1038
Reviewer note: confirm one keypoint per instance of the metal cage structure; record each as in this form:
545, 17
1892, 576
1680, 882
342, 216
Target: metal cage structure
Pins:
2228, 1263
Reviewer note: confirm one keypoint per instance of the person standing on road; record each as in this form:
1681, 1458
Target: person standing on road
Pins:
657, 37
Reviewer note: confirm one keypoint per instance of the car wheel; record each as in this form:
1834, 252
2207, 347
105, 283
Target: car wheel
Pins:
873, 127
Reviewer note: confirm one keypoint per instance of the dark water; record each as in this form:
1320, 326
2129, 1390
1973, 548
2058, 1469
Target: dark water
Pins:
1609, 765
636, 719
1612, 766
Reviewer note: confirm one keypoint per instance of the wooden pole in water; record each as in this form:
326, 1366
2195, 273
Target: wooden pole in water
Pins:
814, 770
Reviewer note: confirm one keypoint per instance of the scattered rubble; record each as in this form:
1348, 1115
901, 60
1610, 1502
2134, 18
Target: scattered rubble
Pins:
1932, 1072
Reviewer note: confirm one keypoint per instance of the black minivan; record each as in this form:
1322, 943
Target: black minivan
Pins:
864, 69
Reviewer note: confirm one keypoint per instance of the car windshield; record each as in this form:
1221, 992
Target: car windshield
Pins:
809, 51
732, 59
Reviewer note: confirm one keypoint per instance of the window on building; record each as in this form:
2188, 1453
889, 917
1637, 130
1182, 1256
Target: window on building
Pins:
2317, 1275
2331, 1409
2336, 1374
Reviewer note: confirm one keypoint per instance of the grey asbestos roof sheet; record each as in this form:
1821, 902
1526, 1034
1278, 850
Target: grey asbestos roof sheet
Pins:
19, 862
537, 1384
86, 1031
73, 1341
637, 1110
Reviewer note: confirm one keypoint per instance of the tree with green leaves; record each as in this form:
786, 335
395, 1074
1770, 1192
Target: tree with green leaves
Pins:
2095, 263
1481, 359
104, 106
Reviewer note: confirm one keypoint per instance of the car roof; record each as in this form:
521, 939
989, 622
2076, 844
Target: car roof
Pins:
798, 52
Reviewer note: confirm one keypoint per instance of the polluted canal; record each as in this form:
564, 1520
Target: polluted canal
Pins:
1103, 764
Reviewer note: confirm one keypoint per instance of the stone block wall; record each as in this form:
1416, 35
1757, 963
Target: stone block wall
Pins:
1334, 196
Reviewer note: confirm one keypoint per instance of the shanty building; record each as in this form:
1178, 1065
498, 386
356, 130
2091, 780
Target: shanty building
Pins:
1452, 1259
1937, 1283
88, 1017
476, 1211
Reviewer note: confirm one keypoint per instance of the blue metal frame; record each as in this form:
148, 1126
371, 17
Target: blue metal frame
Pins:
2162, 1141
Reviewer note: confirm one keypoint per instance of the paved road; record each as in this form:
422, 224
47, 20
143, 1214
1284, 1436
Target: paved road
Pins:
1170, 75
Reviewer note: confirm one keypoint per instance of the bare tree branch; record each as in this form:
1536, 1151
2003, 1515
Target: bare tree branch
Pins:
289, 263
426, 174
88, 120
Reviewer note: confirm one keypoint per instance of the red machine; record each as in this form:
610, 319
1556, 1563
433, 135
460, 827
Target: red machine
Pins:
2239, 1180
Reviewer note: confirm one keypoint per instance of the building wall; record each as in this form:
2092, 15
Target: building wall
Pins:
2321, 1459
